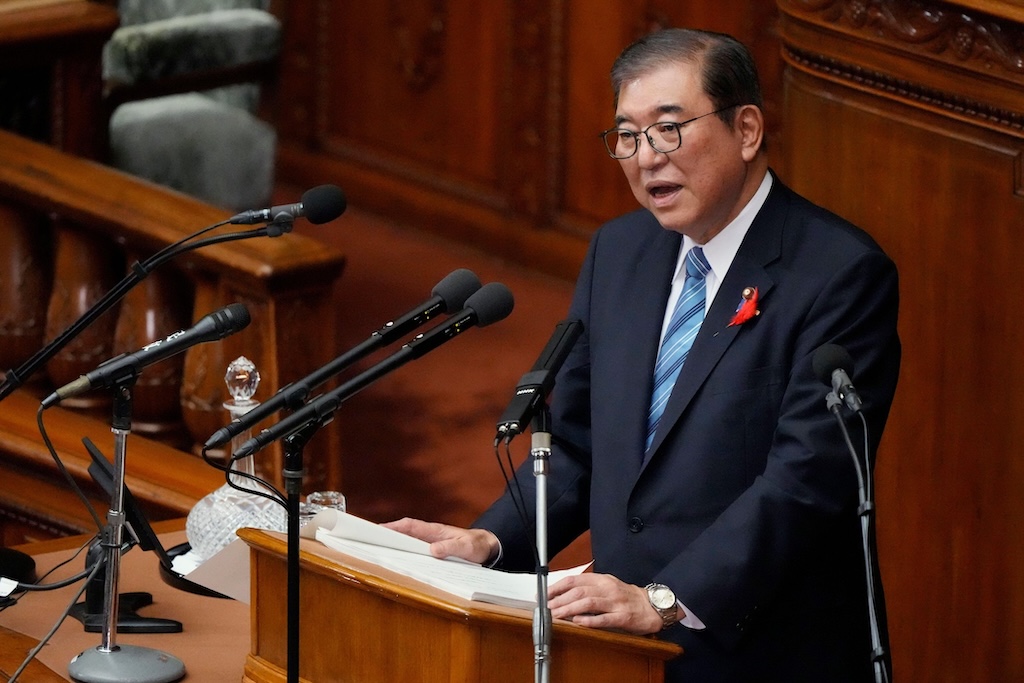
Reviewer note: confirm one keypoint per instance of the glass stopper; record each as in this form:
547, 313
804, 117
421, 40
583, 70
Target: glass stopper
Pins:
242, 379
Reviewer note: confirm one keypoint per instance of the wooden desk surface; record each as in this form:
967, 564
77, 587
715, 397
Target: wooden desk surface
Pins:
213, 645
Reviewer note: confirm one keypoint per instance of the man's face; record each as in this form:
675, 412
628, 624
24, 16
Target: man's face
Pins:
697, 189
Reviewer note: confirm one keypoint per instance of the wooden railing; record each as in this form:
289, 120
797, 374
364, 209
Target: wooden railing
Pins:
69, 230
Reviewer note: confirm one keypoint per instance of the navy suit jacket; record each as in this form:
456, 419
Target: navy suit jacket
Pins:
745, 505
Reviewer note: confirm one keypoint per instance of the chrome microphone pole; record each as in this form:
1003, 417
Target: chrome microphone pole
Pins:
540, 451
111, 662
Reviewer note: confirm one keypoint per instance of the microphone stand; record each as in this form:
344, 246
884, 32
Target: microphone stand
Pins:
540, 451
111, 662
292, 473
865, 510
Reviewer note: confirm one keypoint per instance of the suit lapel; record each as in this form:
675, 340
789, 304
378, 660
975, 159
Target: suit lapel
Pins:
646, 297
760, 246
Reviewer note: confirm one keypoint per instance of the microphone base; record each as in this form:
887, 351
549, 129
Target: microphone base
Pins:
128, 618
126, 664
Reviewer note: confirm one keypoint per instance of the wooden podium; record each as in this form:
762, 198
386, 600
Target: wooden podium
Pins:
363, 623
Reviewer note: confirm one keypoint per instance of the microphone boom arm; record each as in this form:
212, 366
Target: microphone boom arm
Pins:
324, 405
489, 304
139, 271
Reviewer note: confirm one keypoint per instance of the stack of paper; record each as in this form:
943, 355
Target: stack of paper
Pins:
411, 557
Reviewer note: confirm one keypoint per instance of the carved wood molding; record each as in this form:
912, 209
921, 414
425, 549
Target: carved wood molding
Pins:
419, 36
919, 51
941, 30
880, 82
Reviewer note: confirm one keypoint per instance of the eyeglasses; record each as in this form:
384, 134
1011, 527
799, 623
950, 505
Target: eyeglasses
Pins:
663, 136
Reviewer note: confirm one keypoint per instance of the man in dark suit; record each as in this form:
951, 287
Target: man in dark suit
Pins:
722, 510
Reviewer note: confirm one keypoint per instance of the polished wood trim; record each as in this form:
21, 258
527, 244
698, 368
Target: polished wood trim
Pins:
166, 481
285, 282
930, 54
87, 192
441, 636
31, 21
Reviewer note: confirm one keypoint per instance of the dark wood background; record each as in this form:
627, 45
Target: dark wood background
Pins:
465, 134
478, 122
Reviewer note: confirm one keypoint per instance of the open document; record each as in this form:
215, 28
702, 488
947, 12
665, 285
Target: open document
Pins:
411, 557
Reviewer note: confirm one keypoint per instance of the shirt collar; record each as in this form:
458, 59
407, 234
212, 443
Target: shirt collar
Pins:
721, 249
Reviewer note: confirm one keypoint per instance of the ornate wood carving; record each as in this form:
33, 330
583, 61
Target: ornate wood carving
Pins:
936, 55
155, 308
98, 213
944, 31
874, 80
419, 35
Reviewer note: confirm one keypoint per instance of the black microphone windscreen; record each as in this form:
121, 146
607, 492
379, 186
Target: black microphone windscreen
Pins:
236, 316
323, 203
828, 358
492, 302
456, 287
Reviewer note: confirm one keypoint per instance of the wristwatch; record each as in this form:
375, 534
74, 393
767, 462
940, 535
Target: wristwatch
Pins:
663, 600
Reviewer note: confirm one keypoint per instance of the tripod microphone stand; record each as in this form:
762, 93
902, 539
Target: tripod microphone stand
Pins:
109, 662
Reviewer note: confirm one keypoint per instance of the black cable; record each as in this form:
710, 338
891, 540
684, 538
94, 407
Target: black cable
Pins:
271, 494
868, 468
64, 615
515, 492
63, 583
63, 470
159, 257
14, 600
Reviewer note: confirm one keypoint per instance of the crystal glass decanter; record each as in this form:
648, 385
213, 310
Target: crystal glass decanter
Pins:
212, 523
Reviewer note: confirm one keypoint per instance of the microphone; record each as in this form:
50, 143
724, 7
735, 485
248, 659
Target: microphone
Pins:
489, 304
833, 365
535, 385
119, 369
450, 294
319, 205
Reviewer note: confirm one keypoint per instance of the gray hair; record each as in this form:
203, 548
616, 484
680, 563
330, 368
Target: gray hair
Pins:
728, 73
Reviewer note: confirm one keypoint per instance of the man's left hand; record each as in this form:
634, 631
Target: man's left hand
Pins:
603, 601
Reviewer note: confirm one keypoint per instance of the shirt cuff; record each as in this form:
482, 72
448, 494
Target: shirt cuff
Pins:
690, 621
497, 558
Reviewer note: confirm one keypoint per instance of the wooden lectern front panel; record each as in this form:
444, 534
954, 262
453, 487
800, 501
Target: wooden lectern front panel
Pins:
360, 623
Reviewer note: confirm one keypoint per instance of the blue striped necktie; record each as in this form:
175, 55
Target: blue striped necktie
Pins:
682, 329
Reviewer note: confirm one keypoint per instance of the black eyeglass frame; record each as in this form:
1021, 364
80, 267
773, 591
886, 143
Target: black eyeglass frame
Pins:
637, 133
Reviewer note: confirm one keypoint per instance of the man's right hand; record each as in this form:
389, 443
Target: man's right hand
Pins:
475, 545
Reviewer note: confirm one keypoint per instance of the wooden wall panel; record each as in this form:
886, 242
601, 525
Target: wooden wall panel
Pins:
595, 33
396, 103
948, 467
882, 127
477, 121
905, 117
